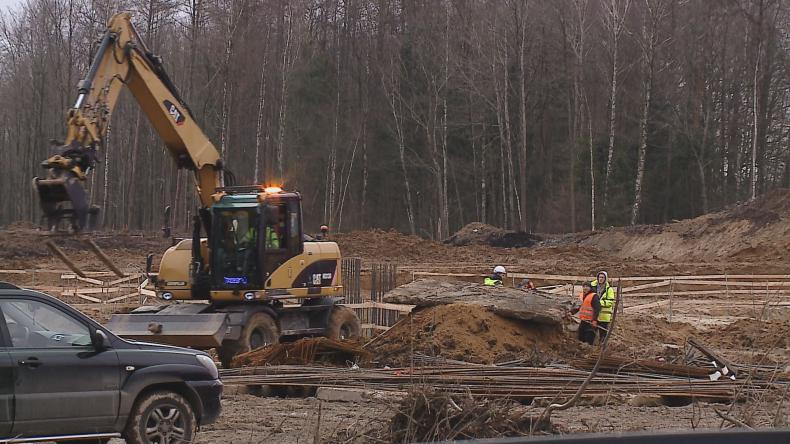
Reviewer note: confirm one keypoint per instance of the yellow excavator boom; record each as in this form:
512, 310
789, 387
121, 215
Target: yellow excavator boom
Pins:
123, 59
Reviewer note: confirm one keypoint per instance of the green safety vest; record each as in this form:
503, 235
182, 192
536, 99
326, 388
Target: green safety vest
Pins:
607, 301
272, 240
249, 237
492, 282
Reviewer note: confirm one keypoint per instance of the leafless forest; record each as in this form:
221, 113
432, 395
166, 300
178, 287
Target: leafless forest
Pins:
424, 115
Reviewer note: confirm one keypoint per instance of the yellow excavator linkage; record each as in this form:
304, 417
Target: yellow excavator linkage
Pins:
123, 60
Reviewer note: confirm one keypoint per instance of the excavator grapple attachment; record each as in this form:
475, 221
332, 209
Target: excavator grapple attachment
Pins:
63, 197
62, 192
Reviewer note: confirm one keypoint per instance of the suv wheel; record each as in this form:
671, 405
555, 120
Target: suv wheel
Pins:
161, 417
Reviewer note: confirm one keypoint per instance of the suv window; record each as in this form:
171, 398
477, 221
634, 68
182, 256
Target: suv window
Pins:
34, 324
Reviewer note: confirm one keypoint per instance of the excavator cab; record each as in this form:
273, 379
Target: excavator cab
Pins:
252, 235
236, 246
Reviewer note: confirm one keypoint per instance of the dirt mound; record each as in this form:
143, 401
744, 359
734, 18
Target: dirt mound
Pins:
754, 334
646, 337
757, 230
477, 233
469, 333
389, 245
22, 247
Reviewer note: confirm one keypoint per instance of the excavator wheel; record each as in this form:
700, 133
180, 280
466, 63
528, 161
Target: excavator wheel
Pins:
261, 330
343, 324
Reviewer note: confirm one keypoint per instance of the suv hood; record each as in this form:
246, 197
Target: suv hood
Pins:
172, 348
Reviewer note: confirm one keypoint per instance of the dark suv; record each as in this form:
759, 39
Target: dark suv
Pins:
64, 377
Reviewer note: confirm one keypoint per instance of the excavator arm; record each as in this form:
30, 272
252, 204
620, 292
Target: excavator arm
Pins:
122, 60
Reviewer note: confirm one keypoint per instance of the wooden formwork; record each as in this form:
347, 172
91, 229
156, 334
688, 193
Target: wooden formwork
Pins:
378, 279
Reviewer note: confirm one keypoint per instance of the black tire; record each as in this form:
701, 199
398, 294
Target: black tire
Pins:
260, 330
343, 324
161, 417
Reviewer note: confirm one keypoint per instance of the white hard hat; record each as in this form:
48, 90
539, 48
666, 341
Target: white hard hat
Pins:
500, 269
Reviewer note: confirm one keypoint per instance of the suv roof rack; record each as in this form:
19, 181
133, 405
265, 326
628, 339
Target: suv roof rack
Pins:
8, 286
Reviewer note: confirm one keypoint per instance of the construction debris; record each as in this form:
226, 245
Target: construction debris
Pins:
432, 416
304, 351
511, 303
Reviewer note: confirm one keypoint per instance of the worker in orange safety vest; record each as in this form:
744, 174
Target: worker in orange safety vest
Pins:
588, 313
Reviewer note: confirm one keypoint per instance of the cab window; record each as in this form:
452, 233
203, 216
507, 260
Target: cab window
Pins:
34, 324
276, 228
235, 255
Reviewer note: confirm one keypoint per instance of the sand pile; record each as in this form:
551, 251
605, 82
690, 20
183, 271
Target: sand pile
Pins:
757, 230
472, 334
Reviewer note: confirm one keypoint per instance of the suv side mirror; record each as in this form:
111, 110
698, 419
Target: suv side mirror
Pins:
100, 340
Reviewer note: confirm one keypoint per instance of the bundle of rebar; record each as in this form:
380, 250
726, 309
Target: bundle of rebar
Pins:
614, 364
305, 351
491, 381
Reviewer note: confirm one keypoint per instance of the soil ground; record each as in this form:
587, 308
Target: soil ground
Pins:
749, 238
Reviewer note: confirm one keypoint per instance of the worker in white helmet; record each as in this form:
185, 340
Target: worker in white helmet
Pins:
496, 278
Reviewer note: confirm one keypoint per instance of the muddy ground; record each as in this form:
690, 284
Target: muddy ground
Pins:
749, 238
249, 419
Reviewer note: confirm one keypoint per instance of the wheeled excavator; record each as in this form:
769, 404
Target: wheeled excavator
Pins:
254, 278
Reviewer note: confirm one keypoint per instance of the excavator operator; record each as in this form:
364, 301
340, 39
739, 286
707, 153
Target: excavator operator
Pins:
274, 231
238, 251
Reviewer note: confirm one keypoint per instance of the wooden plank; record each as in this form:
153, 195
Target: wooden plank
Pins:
404, 308
641, 307
563, 277
123, 280
61, 272
429, 273
735, 283
104, 258
722, 292
63, 258
72, 292
562, 289
644, 286
375, 327
145, 292
90, 280
121, 298
88, 298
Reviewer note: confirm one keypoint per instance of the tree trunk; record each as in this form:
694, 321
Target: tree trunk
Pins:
756, 121
522, 164
649, 50
615, 24
261, 107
